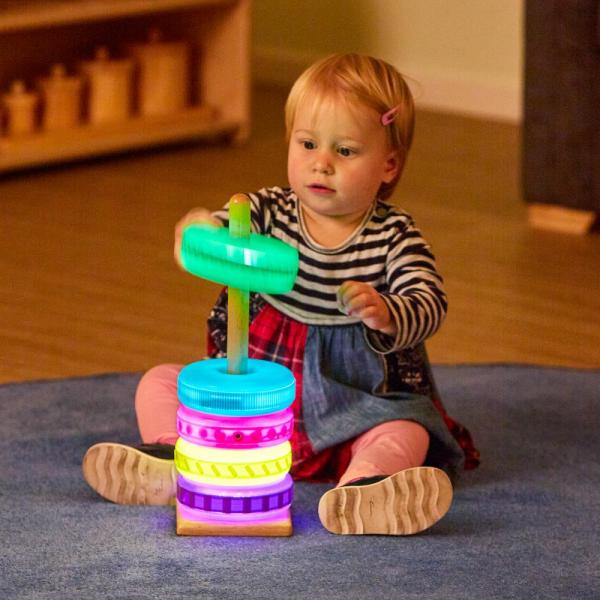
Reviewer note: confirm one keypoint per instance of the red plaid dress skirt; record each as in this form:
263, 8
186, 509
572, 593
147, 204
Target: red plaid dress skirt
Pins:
281, 339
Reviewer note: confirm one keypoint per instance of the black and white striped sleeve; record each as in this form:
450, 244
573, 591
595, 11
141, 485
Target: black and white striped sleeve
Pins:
415, 296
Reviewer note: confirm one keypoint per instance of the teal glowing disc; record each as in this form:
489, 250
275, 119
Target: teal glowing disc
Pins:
206, 386
256, 263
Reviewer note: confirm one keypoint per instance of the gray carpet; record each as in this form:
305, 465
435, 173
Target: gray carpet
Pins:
526, 524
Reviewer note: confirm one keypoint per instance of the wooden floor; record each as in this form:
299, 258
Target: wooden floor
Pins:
89, 284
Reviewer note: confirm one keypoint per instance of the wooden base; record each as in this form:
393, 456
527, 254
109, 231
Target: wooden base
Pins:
282, 528
561, 218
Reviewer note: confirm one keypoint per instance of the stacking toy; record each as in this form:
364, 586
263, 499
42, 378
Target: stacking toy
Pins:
233, 455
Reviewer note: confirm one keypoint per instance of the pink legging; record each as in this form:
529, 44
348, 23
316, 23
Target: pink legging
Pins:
383, 450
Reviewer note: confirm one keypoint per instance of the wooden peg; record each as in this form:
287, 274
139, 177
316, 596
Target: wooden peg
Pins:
163, 75
109, 87
61, 99
20, 108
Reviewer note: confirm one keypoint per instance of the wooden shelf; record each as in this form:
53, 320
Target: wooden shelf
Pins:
34, 34
17, 15
88, 140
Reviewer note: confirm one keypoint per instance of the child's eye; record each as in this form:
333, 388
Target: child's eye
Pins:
308, 145
345, 151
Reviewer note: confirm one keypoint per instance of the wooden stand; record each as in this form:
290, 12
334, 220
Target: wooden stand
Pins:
281, 528
560, 218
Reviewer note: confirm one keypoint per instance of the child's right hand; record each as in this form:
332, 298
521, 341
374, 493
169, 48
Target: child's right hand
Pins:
196, 216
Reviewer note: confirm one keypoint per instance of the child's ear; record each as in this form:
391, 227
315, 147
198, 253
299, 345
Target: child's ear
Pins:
391, 167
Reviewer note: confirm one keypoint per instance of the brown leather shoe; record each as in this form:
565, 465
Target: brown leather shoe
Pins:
128, 475
405, 503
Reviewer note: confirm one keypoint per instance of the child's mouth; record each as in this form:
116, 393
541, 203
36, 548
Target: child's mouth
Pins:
318, 188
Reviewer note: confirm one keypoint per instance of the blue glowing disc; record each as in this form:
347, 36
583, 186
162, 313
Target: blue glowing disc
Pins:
206, 386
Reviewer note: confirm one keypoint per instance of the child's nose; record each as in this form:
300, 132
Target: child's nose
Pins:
323, 163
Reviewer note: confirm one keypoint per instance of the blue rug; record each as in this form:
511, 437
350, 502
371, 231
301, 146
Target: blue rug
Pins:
526, 524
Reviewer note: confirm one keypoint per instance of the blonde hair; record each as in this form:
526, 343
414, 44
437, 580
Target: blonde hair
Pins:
361, 81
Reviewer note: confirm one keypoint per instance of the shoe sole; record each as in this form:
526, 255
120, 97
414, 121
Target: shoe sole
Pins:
125, 475
405, 503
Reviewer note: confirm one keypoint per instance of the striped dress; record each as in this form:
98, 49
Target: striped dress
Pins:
349, 377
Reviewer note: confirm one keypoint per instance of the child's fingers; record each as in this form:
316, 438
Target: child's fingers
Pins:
195, 216
366, 313
358, 303
352, 295
349, 290
363, 302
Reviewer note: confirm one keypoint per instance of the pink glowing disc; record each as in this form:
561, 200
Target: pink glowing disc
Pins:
234, 432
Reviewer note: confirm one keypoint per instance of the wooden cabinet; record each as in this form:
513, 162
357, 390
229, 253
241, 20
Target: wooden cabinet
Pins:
561, 128
34, 35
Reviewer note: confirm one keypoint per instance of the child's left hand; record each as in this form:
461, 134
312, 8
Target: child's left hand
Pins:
361, 300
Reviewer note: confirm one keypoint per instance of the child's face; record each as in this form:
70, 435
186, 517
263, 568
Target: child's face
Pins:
338, 157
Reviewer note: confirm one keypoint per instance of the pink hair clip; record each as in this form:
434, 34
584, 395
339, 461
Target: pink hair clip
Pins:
389, 116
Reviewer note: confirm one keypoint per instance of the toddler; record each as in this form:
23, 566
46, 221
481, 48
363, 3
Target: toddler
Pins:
352, 330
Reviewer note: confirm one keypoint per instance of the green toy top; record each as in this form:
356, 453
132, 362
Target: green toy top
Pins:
255, 263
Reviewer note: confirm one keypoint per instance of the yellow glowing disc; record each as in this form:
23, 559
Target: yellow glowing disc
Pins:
204, 464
